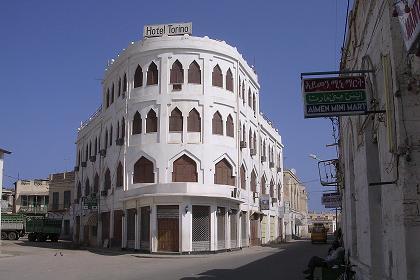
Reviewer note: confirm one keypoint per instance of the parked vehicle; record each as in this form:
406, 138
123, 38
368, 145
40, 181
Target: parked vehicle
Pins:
319, 234
12, 226
41, 229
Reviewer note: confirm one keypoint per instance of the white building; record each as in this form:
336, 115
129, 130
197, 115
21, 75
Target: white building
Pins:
178, 154
379, 152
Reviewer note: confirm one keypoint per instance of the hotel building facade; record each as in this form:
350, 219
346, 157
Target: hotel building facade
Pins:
178, 157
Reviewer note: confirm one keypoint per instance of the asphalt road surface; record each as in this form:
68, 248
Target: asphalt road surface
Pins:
22, 260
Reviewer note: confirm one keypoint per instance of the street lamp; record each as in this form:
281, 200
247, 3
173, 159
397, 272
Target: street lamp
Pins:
313, 156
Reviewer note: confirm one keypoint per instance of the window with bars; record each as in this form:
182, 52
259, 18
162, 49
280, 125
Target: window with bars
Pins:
194, 73
107, 181
151, 122
175, 121
229, 80
120, 175
217, 76
137, 123
223, 173
229, 126
143, 171
217, 124
138, 77
184, 170
152, 74
177, 73
194, 121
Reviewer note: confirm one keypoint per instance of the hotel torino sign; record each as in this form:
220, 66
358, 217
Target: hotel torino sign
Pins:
340, 96
171, 29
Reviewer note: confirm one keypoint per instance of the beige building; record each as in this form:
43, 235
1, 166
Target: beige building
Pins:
328, 219
296, 206
7, 199
31, 196
60, 197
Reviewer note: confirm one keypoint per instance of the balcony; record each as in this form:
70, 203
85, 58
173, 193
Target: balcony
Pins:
34, 209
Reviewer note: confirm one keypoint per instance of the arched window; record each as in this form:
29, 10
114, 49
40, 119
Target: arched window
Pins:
254, 103
253, 181
229, 80
120, 175
96, 146
243, 133
249, 98
217, 76
243, 177
152, 74
223, 173
279, 192
272, 188
90, 148
262, 187
123, 128
185, 170
106, 138
175, 121
119, 87
151, 122
87, 153
87, 187
110, 136
240, 88
125, 83
138, 77
194, 73
217, 123
177, 73
255, 141
251, 143
112, 94
96, 183
107, 181
229, 126
107, 98
194, 121
79, 190
243, 93
118, 129
143, 171
137, 123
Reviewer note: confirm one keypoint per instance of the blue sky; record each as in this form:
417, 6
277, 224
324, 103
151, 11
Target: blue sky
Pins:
54, 54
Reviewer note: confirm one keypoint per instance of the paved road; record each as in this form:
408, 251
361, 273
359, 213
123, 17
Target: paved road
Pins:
286, 261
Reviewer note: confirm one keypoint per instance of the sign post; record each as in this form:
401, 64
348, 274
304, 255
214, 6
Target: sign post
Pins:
331, 200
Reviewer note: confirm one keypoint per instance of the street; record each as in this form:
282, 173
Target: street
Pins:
285, 261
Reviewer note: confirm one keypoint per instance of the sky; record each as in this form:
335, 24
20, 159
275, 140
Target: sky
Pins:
53, 56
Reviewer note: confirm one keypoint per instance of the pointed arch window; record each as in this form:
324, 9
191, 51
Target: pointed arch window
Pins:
194, 73
229, 80
152, 74
107, 180
251, 143
120, 175
125, 83
279, 192
96, 146
253, 181
240, 88
107, 98
151, 122
118, 129
229, 127
110, 136
255, 142
217, 123
87, 187
106, 138
175, 121
79, 191
112, 93
119, 87
243, 133
243, 177
138, 77
194, 121
123, 128
217, 77
254, 103
177, 73
137, 123
224, 173
249, 98
96, 183
143, 171
272, 188
184, 170
243, 93
262, 187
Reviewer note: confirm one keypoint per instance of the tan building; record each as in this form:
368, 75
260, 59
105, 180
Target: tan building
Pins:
296, 206
60, 197
7, 198
327, 218
31, 196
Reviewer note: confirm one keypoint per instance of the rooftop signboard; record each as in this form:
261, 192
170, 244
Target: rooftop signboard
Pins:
334, 96
171, 29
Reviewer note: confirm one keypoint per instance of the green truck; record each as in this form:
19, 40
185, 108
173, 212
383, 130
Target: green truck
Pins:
38, 228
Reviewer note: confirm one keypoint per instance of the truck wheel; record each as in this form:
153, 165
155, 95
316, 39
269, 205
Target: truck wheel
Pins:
4, 236
54, 237
12, 235
42, 237
32, 237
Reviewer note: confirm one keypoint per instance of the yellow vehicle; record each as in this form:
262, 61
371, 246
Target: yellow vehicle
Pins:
319, 234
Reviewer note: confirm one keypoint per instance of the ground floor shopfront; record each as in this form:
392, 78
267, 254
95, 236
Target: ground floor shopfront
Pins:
180, 224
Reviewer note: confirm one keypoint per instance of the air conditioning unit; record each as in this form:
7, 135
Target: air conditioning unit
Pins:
84, 164
176, 87
263, 158
76, 168
278, 169
92, 158
104, 193
102, 152
119, 141
271, 164
243, 144
253, 152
